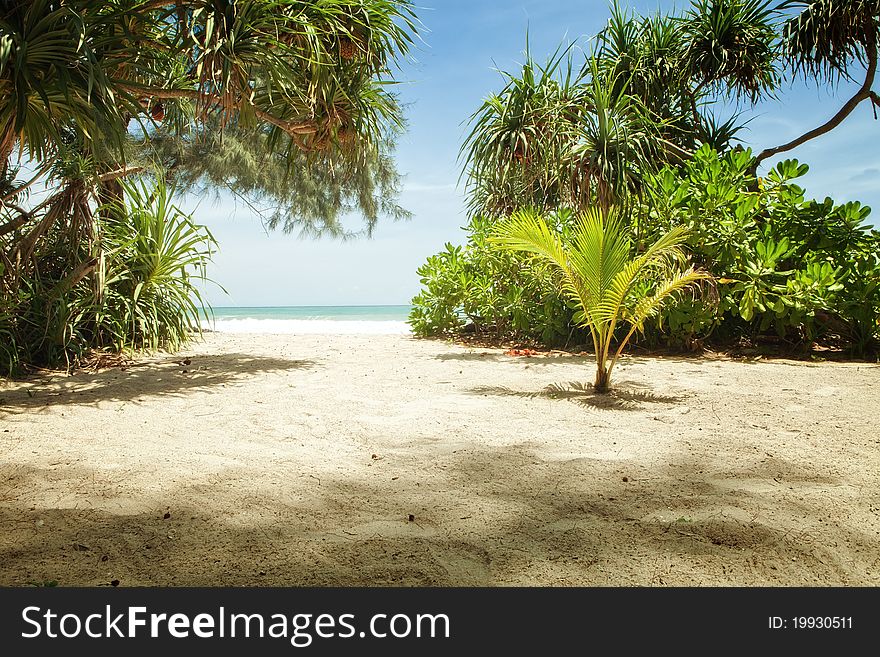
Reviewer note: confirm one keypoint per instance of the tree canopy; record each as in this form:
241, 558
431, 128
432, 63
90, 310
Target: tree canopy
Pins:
115, 106
292, 82
579, 135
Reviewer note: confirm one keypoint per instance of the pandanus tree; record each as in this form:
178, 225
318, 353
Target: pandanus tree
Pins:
515, 153
596, 269
742, 46
93, 92
556, 137
561, 136
643, 57
312, 77
730, 47
617, 141
829, 41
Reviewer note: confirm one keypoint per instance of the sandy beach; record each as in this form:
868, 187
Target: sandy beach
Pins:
385, 460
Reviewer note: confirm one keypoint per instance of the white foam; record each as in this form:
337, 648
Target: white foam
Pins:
308, 326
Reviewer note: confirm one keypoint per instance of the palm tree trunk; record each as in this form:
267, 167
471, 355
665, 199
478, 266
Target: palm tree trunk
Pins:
603, 378
863, 93
7, 143
695, 112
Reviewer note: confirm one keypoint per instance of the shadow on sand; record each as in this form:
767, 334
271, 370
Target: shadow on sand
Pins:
496, 357
626, 396
170, 376
557, 522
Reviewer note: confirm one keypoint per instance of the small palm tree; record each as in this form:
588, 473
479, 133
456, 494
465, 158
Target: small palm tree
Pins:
597, 271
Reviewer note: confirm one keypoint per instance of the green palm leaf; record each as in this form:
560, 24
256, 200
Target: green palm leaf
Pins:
598, 272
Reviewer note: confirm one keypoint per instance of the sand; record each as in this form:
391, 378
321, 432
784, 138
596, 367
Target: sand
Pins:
386, 460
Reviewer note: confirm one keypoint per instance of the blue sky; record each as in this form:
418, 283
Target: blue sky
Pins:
449, 75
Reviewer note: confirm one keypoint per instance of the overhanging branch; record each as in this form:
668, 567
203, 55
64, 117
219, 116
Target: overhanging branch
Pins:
14, 224
295, 129
864, 92
120, 173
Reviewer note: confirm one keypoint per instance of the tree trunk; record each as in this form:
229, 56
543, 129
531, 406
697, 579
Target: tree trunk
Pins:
111, 197
603, 380
7, 143
16, 223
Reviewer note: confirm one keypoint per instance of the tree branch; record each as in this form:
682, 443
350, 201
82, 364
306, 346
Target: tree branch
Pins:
15, 224
83, 270
30, 182
120, 173
293, 128
157, 4
692, 96
863, 93
25, 248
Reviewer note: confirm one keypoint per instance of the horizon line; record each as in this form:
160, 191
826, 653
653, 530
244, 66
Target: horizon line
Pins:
317, 305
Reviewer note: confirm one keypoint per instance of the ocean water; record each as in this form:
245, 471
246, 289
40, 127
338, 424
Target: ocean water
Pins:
338, 320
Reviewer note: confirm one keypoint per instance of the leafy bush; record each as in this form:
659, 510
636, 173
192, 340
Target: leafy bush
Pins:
803, 270
786, 268
122, 278
492, 291
146, 296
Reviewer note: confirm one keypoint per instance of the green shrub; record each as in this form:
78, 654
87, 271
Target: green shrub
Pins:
145, 295
502, 293
800, 269
785, 268
122, 278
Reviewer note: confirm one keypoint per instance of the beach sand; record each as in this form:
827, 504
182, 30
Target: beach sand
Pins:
386, 460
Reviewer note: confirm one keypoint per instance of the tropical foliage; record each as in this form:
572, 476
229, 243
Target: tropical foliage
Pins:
800, 270
565, 135
311, 73
560, 134
308, 193
105, 281
787, 269
633, 127
152, 258
303, 84
285, 103
499, 293
596, 270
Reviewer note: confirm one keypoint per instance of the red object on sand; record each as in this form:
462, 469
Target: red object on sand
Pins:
520, 352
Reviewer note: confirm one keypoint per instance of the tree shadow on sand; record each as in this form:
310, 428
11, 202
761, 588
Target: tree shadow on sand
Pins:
557, 522
169, 376
542, 358
630, 398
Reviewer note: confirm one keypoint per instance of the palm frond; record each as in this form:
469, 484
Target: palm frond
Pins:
598, 272
828, 36
732, 46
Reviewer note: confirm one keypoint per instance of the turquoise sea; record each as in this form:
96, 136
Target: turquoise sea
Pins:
310, 319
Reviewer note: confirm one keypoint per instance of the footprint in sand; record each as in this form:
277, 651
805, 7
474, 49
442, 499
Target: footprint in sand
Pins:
827, 391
